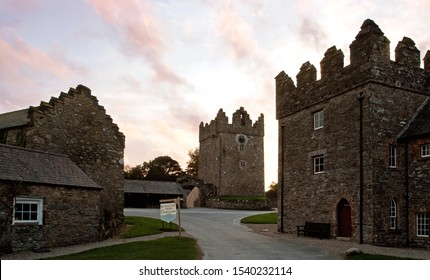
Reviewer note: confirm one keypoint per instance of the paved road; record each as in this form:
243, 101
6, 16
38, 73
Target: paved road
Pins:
221, 237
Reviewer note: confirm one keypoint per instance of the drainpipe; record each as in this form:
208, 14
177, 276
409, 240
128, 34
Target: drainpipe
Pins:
282, 176
360, 99
407, 191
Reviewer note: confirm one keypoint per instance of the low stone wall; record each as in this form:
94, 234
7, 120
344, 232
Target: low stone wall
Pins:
238, 204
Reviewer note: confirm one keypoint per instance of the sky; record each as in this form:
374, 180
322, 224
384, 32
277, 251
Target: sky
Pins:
162, 67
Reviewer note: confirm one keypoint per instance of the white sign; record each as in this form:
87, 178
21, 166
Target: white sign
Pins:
168, 212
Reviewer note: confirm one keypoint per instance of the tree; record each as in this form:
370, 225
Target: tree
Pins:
272, 193
134, 173
162, 168
193, 164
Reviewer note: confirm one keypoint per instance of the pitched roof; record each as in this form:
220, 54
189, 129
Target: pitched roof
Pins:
13, 119
419, 125
25, 165
153, 187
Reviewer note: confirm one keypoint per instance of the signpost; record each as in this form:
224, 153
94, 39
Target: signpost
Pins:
168, 211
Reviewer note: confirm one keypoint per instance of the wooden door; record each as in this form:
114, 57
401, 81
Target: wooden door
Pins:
344, 218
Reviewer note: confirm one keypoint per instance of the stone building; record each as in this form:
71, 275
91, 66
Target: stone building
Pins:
75, 125
232, 154
46, 201
354, 146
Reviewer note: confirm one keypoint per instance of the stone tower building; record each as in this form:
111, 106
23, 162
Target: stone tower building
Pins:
232, 155
354, 146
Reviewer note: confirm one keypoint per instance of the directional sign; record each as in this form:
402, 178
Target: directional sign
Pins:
167, 212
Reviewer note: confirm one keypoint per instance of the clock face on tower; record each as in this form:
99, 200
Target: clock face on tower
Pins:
241, 139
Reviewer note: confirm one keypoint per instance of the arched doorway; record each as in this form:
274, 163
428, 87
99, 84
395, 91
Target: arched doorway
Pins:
343, 218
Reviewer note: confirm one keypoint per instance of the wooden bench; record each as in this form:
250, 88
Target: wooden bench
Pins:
321, 230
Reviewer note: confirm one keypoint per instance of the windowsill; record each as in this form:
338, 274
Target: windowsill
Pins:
27, 224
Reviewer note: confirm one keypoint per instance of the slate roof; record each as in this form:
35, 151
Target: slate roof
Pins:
153, 187
13, 119
419, 125
20, 164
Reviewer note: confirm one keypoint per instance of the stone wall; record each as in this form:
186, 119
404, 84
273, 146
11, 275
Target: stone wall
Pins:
388, 93
70, 216
232, 154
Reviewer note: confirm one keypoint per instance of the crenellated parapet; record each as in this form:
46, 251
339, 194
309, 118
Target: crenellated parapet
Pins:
369, 62
241, 123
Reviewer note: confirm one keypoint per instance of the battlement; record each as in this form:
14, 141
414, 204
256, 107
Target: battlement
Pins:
241, 123
369, 62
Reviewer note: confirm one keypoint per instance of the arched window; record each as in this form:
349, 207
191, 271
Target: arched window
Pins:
393, 214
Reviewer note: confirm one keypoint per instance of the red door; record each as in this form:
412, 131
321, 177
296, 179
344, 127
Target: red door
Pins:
343, 218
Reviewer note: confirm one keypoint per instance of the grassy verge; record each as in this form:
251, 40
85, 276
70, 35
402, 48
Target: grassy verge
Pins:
141, 226
167, 248
268, 218
236, 198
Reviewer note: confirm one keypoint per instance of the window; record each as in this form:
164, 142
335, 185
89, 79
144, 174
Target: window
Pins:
318, 164
241, 148
423, 224
425, 150
28, 210
393, 214
242, 164
318, 120
392, 156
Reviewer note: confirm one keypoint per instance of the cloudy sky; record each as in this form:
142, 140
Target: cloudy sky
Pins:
160, 67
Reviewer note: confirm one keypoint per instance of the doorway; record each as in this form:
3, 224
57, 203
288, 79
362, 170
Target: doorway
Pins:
343, 218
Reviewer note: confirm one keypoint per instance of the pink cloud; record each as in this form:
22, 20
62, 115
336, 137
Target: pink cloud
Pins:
139, 30
311, 33
236, 32
17, 56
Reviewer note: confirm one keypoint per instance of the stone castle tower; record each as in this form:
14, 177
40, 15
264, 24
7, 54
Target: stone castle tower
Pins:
354, 146
232, 155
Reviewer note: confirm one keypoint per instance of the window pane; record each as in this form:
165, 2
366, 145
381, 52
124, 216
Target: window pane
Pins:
423, 224
319, 164
318, 119
425, 150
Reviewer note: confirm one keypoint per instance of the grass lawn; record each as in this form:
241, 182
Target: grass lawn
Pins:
237, 198
167, 248
141, 226
268, 218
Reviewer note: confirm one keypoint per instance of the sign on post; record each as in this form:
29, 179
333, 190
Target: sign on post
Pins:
167, 212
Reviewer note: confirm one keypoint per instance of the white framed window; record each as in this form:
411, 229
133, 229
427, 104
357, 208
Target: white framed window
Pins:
393, 214
318, 164
318, 120
392, 156
242, 164
425, 150
28, 210
423, 224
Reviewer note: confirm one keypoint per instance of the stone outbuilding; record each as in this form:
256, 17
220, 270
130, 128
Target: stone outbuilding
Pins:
76, 126
46, 201
147, 194
354, 146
